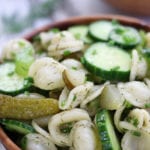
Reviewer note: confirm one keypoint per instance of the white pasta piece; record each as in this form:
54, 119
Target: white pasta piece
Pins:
73, 78
142, 117
117, 118
147, 81
64, 41
142, 68
13, 47
94, 93
148, 39
30, 95
72, 115
68, 100
41, 131
135, 92
47, 73
36, 141
84, 136
46, 38
43, 121
138, 66
133, 142
75, 74
127, 126
74, 65
134, 65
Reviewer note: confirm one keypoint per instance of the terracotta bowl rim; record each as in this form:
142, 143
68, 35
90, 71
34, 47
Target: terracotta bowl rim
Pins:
9, 144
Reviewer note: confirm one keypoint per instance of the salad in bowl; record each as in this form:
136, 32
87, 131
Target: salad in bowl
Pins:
78, 85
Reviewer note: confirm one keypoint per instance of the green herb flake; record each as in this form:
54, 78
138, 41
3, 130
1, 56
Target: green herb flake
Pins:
136, 133
111, 43
120, 30
128, 38
77, 36
147, 105
94, 52
74, 68
66, 128
21, 43
115, 22
85, 79
66, 53
74, 98
127, 104
55, 30
11, 73
63, 103
133, 120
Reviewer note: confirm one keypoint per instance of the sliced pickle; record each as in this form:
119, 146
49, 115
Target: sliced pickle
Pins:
26, 108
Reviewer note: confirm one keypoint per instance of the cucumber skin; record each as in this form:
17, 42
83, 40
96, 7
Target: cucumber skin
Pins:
28, 84
106, 75
100, 121
90, 33
10, 125
123, 45
23, 143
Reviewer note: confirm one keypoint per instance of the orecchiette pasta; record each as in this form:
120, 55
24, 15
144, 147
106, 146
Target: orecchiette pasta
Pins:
136, 93
47, 73
94, 93
84, 136
64, 41
38, 142
46, 38
138, 67
117, 118
13, 47
140, 118
131, 141
73, 98
57, 120
41, 131
75, 74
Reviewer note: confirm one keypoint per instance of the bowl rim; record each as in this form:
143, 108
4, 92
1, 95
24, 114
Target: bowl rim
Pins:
8, 143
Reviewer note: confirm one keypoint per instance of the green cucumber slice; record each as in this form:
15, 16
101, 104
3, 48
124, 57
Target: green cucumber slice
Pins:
108, 62
80, 32
101, 29
17, 126
125, 36
106, 131
10, 82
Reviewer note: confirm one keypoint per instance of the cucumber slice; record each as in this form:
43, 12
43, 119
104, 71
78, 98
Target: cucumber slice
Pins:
17, 126
101, 30
106, 131
125, 36
108, 62
10, 82
80, 32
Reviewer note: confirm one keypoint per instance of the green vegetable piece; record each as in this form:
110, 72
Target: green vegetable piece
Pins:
26, 108
106, 131
17, 126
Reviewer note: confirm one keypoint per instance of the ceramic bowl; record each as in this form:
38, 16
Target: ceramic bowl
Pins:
136, 7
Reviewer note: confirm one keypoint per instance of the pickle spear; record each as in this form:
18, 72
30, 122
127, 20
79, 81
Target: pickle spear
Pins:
26, 108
